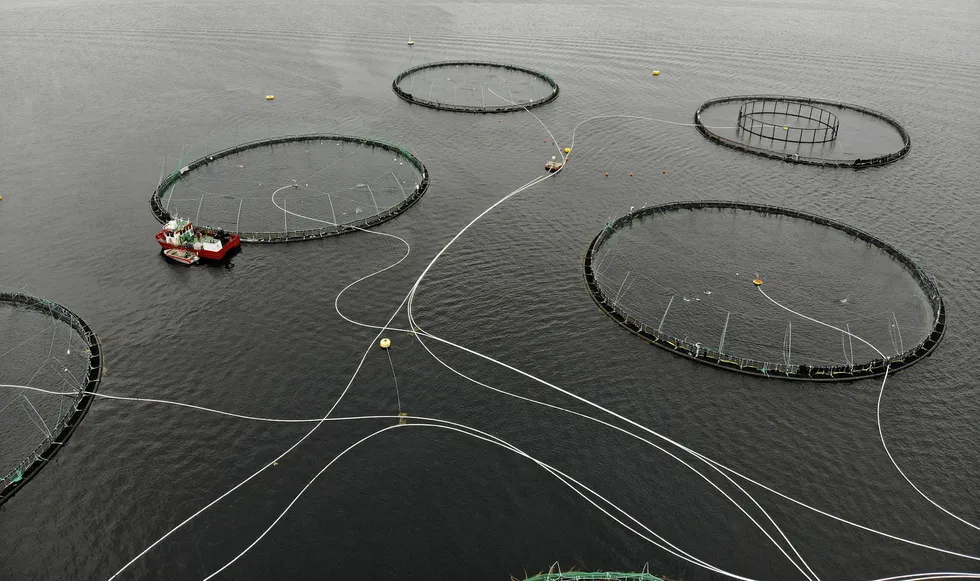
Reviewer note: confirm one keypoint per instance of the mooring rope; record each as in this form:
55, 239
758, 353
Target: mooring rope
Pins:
881, 394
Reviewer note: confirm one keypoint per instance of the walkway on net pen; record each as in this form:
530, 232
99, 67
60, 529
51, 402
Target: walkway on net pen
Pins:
163, 215
716, 357
594, 576
15, 479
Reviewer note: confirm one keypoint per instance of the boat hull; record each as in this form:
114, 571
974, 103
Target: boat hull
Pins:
234, 243
180, 256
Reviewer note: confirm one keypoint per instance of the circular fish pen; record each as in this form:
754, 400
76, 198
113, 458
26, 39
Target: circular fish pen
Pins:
475, 87
803, 130
292, 188
765, 291
50, 349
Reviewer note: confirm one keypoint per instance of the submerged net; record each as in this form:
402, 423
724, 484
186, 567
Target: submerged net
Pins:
475, 87
684, 276
292, 188
44, 346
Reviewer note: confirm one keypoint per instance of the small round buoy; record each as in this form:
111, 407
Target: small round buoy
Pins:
385, 343
757, 281
269, 97
607, 174
631, 174
785, 127
1, 197
656, 73
665, 171
568, 150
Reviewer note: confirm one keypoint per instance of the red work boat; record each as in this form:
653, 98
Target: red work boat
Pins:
207, 243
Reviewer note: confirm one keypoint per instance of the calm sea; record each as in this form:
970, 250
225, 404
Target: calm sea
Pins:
96, 95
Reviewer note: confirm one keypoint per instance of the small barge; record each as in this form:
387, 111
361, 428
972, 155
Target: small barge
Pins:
553, 165
204, 243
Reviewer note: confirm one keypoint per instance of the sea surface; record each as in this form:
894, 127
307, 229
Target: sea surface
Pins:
96, 97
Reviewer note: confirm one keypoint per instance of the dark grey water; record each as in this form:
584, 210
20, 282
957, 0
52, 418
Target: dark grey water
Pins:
96, 95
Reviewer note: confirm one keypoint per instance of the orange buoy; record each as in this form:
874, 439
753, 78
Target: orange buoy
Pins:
631, 174
607, 174
665, 171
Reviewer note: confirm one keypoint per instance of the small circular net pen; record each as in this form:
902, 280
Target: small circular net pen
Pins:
292, 188
765, 291
804, 130
47, 347
475, 87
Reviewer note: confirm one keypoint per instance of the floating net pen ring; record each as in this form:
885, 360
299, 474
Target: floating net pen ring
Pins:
57, 435
405, 198
539, 87
649, 330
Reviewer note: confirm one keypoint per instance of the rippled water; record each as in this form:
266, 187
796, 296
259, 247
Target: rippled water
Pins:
97, 95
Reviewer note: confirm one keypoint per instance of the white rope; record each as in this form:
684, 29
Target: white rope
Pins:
648, 442
881, 394
483, 436
271, 463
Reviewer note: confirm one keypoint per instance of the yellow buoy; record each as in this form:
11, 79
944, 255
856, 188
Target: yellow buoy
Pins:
757, 281
568, 150
269, 97
656, 73
385, 343
402, 418
785, 128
